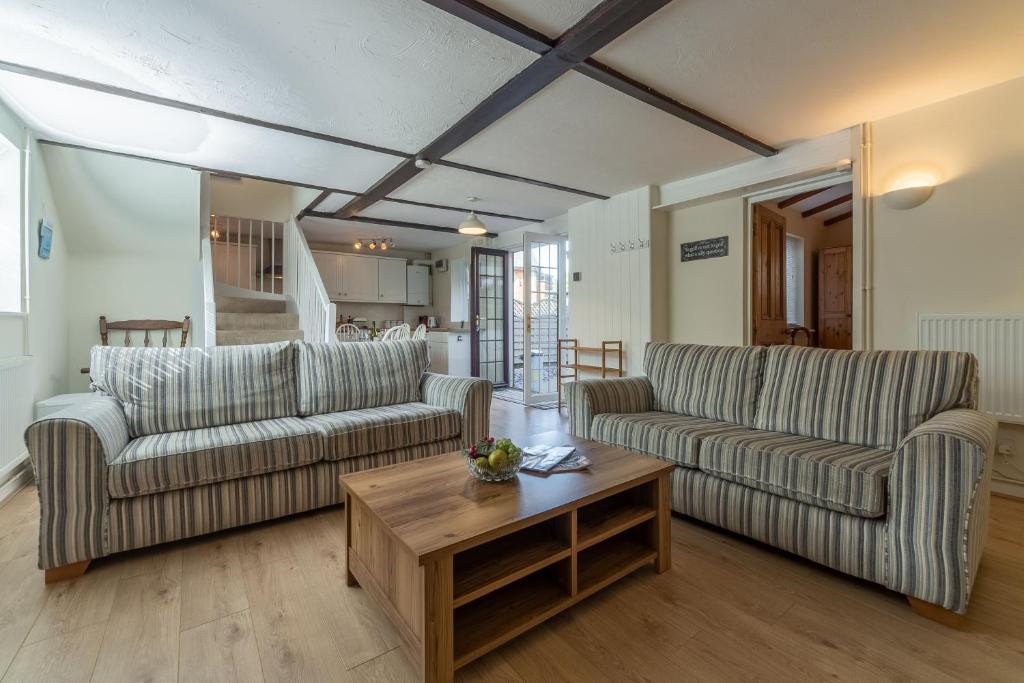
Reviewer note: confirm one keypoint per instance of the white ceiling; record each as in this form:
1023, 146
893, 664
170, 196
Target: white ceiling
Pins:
824, 197
449, 219
789, 70
396, 73
346, 232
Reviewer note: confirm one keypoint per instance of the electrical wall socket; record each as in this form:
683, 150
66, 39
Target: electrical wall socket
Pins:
1004, 447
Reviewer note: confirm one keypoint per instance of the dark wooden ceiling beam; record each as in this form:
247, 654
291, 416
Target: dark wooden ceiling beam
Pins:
519, 179
409, 202
494, 22
599, 27
827, 205
841, 217
187, 106
394, 224
797, 198
194, 167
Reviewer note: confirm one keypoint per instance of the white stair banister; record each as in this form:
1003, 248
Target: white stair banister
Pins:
303, 285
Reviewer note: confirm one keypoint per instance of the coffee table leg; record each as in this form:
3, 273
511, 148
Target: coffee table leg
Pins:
350, 579
438, 622
663, 528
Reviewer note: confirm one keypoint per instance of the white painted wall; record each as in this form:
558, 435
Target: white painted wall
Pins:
621, 295
246, 198
46, 339
133, 239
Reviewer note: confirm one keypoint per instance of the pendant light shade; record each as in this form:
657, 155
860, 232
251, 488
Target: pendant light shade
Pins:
472, 225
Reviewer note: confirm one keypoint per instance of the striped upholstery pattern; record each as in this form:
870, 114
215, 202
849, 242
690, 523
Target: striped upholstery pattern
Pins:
665, 435
349, 376
470, 396
175, 389
147, 520
162, 462
373, 430
69, 452
716, 382
870, 398
939, 489
842, 477
849, 544
589, 397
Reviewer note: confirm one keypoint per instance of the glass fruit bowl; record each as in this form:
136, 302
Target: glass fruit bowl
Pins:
493, 459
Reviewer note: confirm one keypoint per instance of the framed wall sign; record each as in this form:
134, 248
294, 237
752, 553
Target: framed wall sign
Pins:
45, 238
714, 247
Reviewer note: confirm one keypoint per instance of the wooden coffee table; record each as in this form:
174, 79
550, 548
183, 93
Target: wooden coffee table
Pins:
461, 566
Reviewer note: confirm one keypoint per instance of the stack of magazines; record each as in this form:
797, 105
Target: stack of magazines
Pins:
548, 459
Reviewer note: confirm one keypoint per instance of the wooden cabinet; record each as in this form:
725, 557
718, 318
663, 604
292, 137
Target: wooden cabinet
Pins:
391, 281
417, 286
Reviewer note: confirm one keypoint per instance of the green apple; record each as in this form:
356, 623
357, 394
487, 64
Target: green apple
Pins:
481, 463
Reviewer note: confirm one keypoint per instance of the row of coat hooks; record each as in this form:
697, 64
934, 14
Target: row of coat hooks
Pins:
631, 245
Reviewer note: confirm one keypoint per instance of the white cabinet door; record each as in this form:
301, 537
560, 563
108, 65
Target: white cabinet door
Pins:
329, 266
359, 278
438, 356
458, 354
391, 283
418, 285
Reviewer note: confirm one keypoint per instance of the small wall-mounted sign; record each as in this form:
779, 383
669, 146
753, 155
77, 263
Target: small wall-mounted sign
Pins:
702, 249
45, 238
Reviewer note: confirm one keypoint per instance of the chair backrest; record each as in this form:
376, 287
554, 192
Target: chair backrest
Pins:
396, 333
420, 332
129, 326
348, 332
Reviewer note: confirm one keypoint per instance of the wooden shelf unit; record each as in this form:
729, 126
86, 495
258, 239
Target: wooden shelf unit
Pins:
609, 349
505, 587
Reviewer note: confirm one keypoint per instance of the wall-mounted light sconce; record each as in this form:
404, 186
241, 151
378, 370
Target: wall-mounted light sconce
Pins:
910, 191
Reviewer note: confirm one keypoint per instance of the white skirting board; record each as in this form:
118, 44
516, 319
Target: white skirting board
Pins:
1008, 488
14, 476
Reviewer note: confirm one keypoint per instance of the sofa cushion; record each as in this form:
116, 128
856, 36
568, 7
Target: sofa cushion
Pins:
665, 435
177, 460
355, 375
372, 430
843, 477
870, 398
714, 382
178, 389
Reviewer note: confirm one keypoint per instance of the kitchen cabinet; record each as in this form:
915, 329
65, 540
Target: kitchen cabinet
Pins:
359, 279
417, 286
329, 265
391, 281
449, 353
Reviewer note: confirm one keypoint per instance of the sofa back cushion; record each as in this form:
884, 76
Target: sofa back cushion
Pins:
354, 375
174, 389
869, 398
716, 382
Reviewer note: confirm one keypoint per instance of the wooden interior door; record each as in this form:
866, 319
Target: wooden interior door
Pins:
835, 298
769, 277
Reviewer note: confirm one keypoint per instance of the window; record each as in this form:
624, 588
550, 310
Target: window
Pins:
10, 228
794, 280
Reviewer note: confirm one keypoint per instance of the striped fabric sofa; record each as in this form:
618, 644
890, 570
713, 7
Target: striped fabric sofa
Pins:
182, 442
876, 463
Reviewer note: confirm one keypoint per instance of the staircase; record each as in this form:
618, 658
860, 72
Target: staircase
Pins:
254, 321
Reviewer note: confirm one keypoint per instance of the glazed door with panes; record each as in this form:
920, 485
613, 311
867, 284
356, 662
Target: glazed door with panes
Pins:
487, 311
543, 314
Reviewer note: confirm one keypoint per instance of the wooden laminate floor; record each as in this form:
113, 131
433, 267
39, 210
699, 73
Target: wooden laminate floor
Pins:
269, 602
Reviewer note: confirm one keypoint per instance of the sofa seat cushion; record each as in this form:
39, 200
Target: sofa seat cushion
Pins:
668, 436
178, 460
353, 433
837, 476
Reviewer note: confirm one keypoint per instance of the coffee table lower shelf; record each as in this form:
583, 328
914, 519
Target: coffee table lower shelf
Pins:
452, 607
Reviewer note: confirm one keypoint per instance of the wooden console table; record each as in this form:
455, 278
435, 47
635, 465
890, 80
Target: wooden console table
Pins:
461, 566
571, 370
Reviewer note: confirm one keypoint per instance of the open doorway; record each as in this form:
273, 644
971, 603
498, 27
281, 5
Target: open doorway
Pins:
802, 268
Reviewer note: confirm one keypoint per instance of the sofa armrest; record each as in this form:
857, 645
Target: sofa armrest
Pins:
589, 397
70, 451
470, 396
938, 507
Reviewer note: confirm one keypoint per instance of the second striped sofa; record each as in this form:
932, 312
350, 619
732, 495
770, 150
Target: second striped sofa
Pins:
183, 442
876, 464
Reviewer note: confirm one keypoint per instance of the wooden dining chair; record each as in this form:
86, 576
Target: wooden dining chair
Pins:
347, 332
396, 333
147, 326
420, 332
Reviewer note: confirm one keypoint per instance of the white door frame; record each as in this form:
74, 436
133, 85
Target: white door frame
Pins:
532, 237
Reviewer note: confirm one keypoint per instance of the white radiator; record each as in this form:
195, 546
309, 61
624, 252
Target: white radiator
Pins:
15, 412
998, 342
